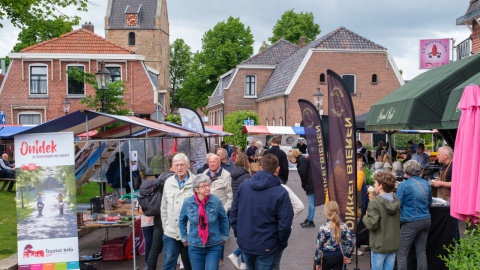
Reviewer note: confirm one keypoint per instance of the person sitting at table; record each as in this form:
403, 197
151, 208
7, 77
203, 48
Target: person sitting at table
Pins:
415, 197
370, 159
7, 170
412, 147
387, 159
209, 228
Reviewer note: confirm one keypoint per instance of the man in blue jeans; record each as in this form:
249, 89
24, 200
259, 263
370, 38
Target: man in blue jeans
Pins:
177, 188
261, 216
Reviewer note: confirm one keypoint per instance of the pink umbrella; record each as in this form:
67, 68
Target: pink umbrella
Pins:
465, 201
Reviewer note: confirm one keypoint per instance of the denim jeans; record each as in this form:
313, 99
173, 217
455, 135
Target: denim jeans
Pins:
276, 265
157, 243
311, 206
383, 261
260, 262
238, 252
203, 258
148, 236
172, 248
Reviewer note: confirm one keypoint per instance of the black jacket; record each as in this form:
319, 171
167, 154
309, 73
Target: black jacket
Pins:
282, 160
303, 167
238, 174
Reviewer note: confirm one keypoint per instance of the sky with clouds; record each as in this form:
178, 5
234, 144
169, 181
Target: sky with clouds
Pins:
396, 25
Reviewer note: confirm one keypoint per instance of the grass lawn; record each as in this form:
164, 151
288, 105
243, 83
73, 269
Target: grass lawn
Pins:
8, 216
8, 225
90, 191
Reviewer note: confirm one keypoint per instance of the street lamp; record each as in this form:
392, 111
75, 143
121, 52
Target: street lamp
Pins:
103, 80
318, 99
66, 106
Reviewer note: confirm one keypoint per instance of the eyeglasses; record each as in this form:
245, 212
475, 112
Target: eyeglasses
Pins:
206, 186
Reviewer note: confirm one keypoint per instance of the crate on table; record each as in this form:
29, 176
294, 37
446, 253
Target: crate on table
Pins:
114, 250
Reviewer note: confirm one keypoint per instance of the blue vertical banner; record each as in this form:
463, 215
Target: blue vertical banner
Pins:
46, 199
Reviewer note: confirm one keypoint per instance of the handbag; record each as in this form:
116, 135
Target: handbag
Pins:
254, 167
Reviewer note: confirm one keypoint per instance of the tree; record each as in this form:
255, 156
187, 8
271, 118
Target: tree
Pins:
41, 31
292, 26
223, 47
233, 123
114, 101
180, 61
26, 12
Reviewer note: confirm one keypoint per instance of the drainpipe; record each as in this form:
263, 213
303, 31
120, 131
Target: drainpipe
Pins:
285, 110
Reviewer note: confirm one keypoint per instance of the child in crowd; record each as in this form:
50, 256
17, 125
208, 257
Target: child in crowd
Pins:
335, 242
383, 222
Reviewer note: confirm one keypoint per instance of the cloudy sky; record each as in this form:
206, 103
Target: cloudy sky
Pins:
396, 25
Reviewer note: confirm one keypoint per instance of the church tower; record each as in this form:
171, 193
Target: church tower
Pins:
143, 27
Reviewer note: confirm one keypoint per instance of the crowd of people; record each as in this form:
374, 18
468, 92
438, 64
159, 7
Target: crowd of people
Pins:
198, 209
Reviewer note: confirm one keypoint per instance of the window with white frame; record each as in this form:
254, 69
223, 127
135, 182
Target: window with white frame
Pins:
350, 83
250, 86
274, 122
266, 122
75, 87
115, 72
29, 118
280, 121
38, 79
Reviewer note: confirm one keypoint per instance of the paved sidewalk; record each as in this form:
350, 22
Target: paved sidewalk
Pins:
298, 255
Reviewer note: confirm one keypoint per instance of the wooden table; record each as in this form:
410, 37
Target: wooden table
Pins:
6, 181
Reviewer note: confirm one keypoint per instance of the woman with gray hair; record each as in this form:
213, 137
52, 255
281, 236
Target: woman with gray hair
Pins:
209, 228
260, 150
415, 197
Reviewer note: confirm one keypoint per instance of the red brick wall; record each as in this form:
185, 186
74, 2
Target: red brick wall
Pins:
475, 36
14, 96
234, 96
363, 65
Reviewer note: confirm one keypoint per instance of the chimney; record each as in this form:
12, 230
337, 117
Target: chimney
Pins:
264, 45
302, 42
88, 26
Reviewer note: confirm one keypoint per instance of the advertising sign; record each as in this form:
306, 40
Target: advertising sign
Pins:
434, 52
47, 221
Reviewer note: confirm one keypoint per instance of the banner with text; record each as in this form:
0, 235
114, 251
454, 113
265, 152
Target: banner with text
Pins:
47, 220
342, 149
316, 149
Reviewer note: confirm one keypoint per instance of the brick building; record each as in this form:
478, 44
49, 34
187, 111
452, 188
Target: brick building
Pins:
142, 26
36, 84
272, 81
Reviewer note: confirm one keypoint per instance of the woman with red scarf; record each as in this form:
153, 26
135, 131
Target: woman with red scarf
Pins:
209, 228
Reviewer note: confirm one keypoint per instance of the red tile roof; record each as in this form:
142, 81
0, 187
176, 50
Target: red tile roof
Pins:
79, 41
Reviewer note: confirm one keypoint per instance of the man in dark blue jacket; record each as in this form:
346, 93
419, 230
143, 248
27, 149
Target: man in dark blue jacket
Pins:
261, 216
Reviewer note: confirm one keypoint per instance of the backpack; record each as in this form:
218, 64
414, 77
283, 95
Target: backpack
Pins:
150, 195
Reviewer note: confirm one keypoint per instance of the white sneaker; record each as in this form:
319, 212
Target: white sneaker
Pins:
235, 261
360, 253
243, 266
180, 262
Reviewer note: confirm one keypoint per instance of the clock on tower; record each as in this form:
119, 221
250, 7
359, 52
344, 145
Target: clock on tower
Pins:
131, 19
